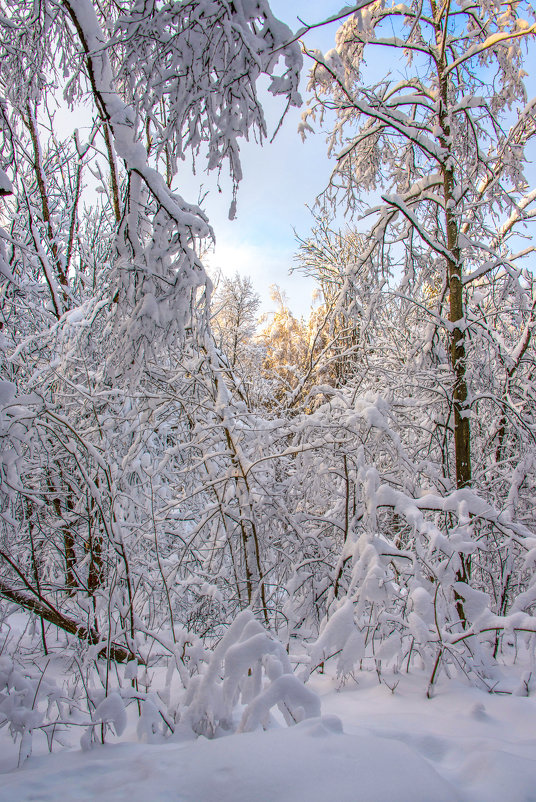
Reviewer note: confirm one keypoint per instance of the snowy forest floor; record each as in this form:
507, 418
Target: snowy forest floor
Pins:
463, 744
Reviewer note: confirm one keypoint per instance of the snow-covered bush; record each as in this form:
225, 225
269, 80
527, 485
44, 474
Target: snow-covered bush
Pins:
248, 674
28, 701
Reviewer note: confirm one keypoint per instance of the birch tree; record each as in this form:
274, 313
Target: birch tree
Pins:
443, 145
430, 162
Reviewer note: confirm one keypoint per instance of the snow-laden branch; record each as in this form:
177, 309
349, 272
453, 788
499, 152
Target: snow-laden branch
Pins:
122, 120
489, 43
398, 203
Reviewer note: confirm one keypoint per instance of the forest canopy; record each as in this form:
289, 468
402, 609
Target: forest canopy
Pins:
239, 504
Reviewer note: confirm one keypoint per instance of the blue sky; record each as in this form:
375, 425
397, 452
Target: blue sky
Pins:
280, 180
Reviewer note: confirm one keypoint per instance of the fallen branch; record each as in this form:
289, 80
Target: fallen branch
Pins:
44, 609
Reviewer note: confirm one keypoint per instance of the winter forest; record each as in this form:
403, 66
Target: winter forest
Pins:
210, 521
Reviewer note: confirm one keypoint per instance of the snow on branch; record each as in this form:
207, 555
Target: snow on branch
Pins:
252, 668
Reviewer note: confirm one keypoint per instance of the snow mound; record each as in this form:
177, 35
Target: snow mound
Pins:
307, 763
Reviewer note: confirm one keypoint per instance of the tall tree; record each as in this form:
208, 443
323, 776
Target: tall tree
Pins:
426, 154
432, 143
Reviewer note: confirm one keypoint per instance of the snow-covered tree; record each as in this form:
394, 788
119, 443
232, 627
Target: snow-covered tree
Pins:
435, 158
105, 312
433, 144
234, 317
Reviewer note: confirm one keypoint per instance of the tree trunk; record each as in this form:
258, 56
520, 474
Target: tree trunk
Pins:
462, 429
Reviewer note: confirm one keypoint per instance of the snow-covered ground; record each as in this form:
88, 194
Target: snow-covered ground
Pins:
371, 745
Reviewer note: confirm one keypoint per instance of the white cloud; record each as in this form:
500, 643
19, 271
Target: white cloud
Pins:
265, 266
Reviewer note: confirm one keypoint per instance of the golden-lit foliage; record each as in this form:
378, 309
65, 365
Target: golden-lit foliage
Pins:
299, 354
